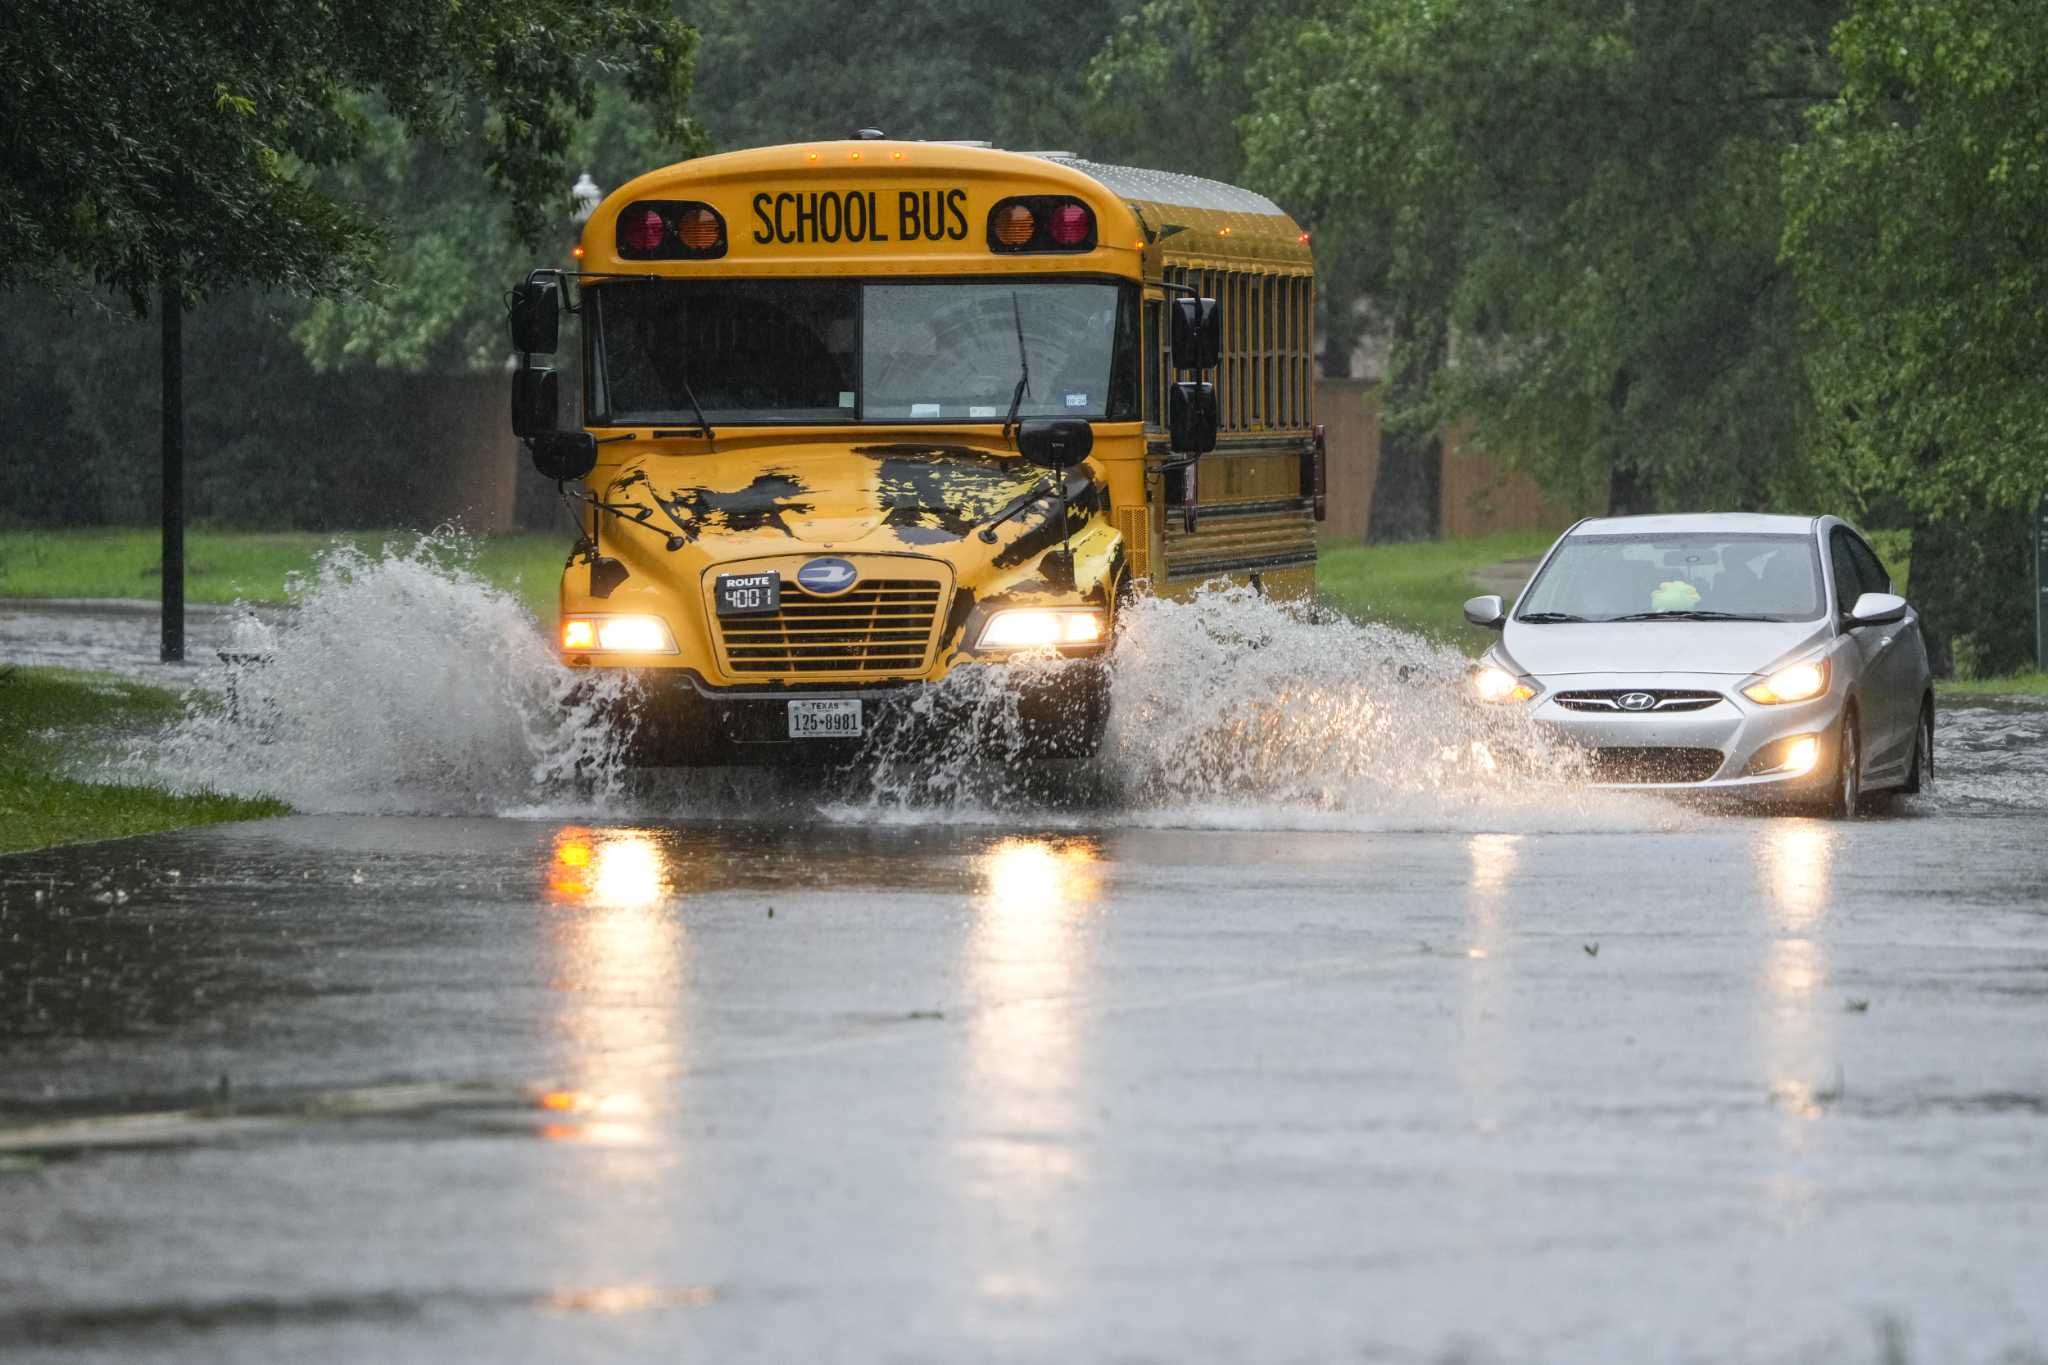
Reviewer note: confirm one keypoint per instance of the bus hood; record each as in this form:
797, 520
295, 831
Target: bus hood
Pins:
879, 497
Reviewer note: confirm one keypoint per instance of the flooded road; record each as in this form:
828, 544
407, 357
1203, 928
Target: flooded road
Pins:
428, 1088
1325, 1017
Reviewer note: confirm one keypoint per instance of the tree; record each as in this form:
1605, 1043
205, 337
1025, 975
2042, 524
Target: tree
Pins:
167, 150
1918, 225
1589, 193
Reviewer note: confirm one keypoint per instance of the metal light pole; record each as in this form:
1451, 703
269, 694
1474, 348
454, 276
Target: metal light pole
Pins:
173, 564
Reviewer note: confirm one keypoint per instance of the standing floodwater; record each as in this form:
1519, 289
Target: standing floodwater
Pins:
402, 682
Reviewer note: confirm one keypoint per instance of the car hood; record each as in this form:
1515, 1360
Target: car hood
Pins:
1725, 647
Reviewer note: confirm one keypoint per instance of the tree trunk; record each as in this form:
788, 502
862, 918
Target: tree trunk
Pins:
1972, 582
173, 576
1407, 491
1631, 492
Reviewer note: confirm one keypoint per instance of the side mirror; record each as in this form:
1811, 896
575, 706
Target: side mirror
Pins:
1489, 612
536, 401
537, 317
1055, 442
564, 455
1197, 334
1191, 418
1878, 609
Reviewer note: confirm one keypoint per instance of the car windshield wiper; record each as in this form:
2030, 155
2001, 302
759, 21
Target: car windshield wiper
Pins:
1689, 616
1548, 618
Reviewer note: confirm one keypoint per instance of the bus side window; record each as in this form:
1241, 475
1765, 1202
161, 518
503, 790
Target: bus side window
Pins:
1155, 315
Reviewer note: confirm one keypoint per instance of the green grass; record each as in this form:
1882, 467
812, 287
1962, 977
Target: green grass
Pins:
2018, 685
1421, 586
49, 719
248, 566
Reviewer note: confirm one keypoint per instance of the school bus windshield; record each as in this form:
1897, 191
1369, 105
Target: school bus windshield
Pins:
836, 351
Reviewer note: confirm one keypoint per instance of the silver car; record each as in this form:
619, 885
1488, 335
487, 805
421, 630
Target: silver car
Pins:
1755, 657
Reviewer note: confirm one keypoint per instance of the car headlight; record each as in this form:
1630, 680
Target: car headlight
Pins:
616, 635
1800, 682
1495, 684
1041, 627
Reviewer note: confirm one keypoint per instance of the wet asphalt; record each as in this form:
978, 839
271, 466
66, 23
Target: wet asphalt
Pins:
330, 1088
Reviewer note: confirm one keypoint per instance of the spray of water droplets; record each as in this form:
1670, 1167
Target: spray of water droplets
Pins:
1233, 709
401, 682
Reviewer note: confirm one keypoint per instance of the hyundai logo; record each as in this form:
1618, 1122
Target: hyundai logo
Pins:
1638, 701
827, 577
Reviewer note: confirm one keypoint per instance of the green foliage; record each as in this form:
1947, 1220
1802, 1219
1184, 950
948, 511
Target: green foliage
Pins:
451, 249
1919, 227
1590, 191
52, 721
149, 142
942, 69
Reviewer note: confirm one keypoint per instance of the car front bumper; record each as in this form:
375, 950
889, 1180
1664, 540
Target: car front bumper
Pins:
1718, 750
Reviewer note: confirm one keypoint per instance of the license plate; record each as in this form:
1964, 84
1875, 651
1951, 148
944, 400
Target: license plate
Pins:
821, 719
748, 594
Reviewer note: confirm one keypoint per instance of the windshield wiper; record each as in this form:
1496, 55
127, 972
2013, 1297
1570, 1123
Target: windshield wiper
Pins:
1024, 364
698, 408
1689, 616
1547, 618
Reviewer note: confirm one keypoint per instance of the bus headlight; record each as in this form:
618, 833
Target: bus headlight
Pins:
1040, 628
616, 635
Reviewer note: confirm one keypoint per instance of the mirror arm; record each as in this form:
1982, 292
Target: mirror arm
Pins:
1017, 504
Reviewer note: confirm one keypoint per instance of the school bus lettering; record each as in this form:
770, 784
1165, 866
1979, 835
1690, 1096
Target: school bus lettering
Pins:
934, 215
789, 219
820, 216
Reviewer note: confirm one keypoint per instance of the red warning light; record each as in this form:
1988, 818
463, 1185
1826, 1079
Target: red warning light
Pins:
642, 230
1070, 224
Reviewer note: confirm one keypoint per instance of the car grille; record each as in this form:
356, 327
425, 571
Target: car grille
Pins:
883, 626
1664, 699
1653, 764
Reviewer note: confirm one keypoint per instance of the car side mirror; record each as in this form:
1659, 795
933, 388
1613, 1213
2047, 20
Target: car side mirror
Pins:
1055, 442
1878, 609
1197, 334
1489, 612
563, 455
536, 317
1191, 418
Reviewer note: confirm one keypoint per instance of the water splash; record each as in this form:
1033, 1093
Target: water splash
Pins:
401, 682
1237, 710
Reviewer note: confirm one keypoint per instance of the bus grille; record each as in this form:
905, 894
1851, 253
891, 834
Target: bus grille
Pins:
883, 626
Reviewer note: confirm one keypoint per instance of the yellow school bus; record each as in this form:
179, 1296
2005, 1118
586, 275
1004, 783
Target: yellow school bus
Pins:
855, 414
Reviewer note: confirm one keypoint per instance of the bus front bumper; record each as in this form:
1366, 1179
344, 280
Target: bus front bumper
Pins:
680, 720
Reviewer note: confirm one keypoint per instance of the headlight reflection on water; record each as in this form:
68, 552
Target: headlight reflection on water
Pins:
618, 962
1026, 961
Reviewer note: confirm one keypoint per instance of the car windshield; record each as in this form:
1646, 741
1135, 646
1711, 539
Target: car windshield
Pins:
830, 351
1691, 576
